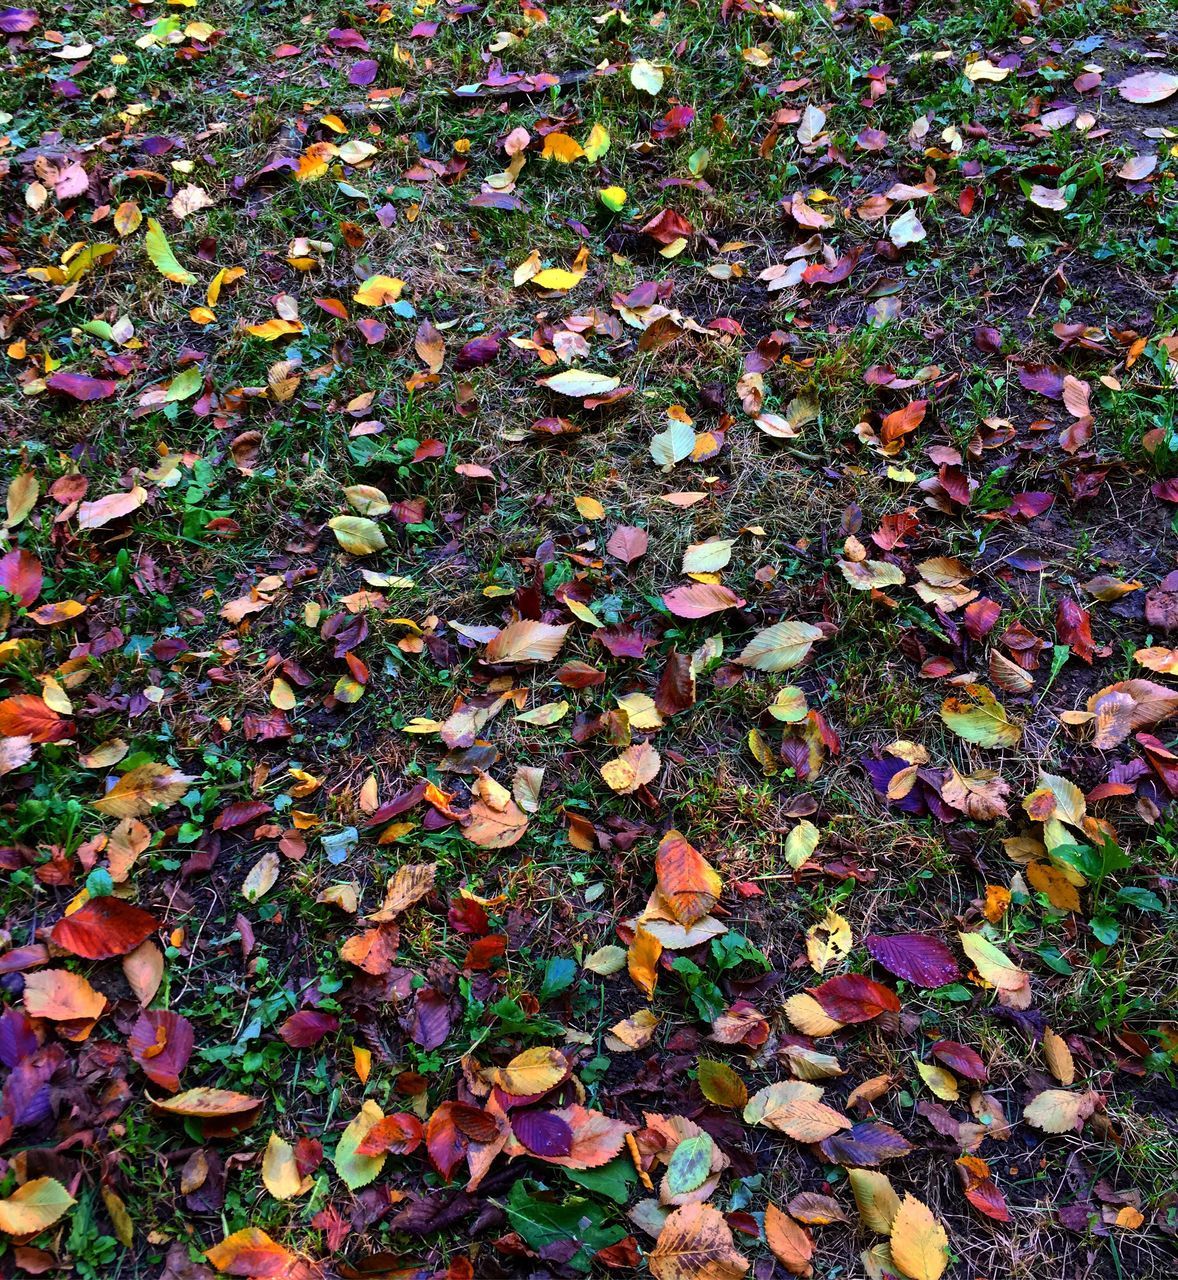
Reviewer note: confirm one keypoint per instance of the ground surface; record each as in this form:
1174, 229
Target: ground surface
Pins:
414, 421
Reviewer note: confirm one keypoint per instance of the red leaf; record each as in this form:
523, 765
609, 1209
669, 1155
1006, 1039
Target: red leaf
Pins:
980, 1189
918, 958
26, 716
21, 576
307, 1027
333, 307
851, 997
1073, 625
484, 952
446, 1144
103, 928
399, 1134
667, 227
237, 815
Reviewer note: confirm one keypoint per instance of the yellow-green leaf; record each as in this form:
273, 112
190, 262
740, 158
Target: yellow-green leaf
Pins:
358, 1171
161, 254
33, 1207
358, 535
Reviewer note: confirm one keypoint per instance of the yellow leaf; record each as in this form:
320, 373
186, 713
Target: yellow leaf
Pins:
142, 789
696, 1244
536, 1070
127, 218
589, 508
270, 330
634, 768
993, 965
526, 641
920, 1247
942, 1083
376, 291
161, 255
560, 147
597, 143
261, 876
23, 491
645, 76
876, 1198
280, 1174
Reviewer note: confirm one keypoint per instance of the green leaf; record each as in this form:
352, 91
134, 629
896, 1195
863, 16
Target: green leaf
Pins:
1106, 929
690, 1164
1134, 895
544, 1220
559, 973
613, 1179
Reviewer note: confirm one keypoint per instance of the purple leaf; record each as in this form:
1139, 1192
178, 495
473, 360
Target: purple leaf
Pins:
431, 1018
477, 352
918, 958
14, 21
1043, 378
363, 72
82, 387
544, 1133
870, 1142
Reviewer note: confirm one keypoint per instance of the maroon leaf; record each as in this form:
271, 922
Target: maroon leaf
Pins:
103, 928
676, 686
161, 1043
237, 815
476, 353
82, 387
1073, 625
962, 1059
918, 958
870, 1142
851, 997
307, 1027
544, 1133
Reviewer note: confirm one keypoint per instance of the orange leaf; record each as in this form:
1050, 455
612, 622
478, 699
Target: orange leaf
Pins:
61, 996
250, 1252
642, 960
791, 1244
689, 884
696, 1244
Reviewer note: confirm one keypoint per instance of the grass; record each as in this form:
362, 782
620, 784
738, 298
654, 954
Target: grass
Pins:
179, 683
